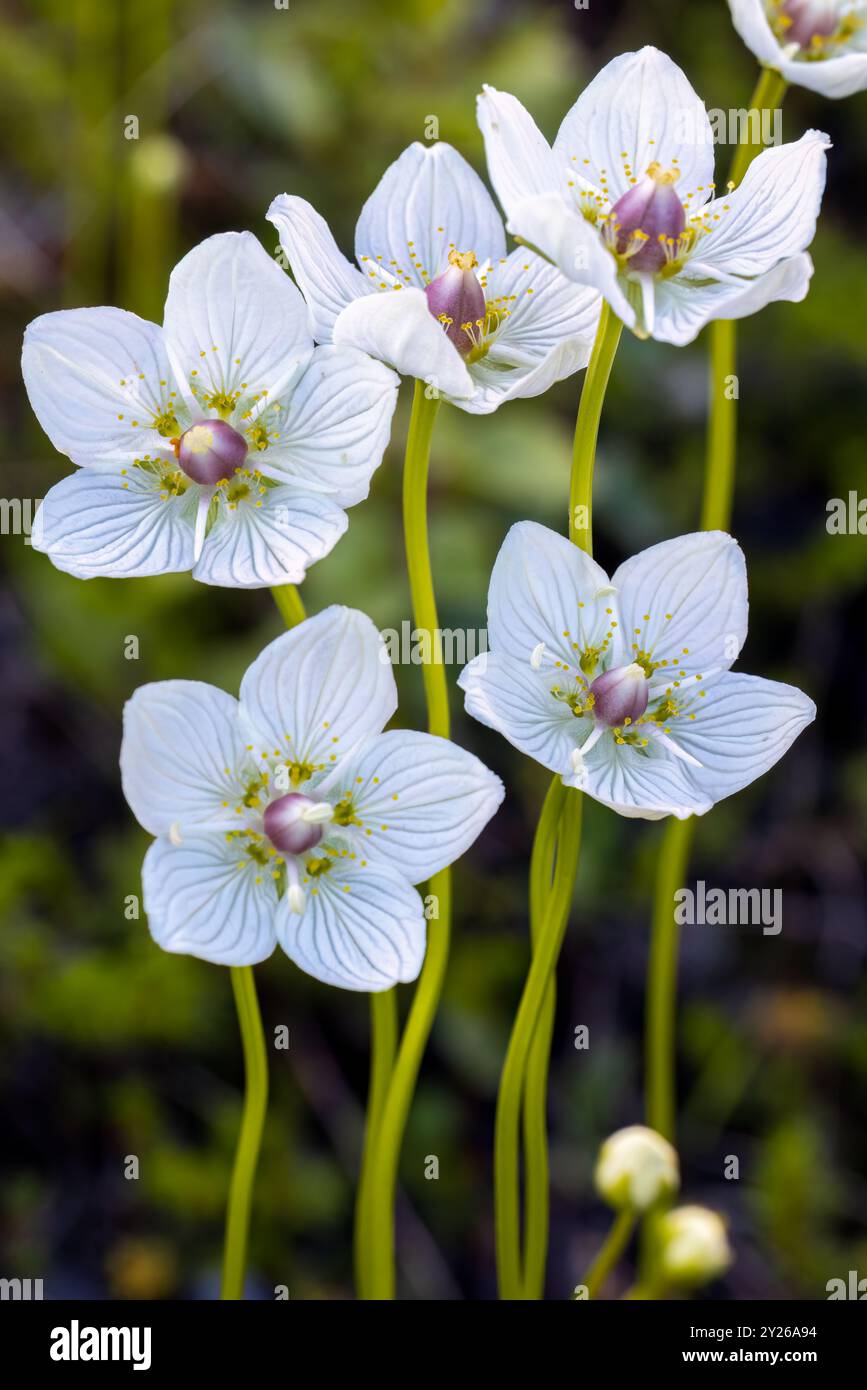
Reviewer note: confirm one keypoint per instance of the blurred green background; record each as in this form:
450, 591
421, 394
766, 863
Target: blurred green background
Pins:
109, 1047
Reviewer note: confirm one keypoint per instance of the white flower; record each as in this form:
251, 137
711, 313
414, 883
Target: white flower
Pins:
630, 698
436, 296
625, 200
636, 1167
694, 1246
221, 442
288, 816
820, 44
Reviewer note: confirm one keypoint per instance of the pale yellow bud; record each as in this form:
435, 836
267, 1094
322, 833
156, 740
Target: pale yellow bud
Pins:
636, 1167
693, 1246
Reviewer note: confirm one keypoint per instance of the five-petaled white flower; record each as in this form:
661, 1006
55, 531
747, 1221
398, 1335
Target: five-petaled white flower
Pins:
623, 685
288, 816
820, 44
625, 200
221, 443
480, 326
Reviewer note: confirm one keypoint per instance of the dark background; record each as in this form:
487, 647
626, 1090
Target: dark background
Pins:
108, 1047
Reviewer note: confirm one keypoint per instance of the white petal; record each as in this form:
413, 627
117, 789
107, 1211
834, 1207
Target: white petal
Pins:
234, 321
564, 236
644, 784
832, 77
423, 800
319, 690
327, 279
516, 700
548, 335
694, 589
426, 203
398, 327
183, 759
96, 378
750, 20
255, 546
202, 899
520, 161
743, 726
367, 938
772, 214
106, 524
334, 427
639, 110
544, 589
683, 308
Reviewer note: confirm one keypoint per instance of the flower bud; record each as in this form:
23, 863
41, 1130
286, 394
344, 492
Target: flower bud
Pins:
292, 823
620, 694
693, 1246
456, 298
210, 451
810, 19
636, 1167
653, 209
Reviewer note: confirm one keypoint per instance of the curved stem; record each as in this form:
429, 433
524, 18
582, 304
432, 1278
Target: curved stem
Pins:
250, 1135
677, 840
613, 1247
587, 428
543, 964
383, 1047
536, 1080
378, 1220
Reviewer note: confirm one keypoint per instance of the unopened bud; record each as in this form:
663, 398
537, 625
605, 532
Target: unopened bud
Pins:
636, 1168
693, 1246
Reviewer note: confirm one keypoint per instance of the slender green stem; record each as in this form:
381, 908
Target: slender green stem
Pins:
542, 967
290, 603
383, 1048
378, 1219
677, 840
615, 1244
536, 1080
587, 428
250, 1135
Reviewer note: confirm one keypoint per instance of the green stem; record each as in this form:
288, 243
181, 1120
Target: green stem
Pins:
250, 1135
290, 603
614, 1246
378, 1220
383, 1047
536, 1081
542, 967
587, 428
677, 840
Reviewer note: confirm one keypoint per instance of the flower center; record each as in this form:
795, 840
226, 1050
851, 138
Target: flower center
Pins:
803, 21
457, 299
620, 695
647, 223
210, 451
288, 825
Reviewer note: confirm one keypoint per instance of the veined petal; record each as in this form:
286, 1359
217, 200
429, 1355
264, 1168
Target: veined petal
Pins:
832, 77
772, 214
327, 279
270, 540
361, 928
319, 690
639, 110
332, 431
97, 380
428, 202
206, 898
683, 307
235, 324
520, 160
398, 327
751, 22
118, 526
183, 760
564, 236
743, 726
684, 602
516, 700
421, 801
644, 784
545, 590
